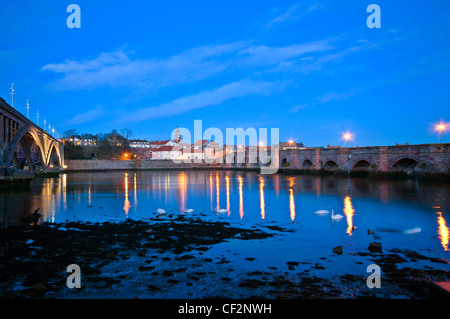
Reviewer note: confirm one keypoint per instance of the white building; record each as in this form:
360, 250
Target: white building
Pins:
167, 153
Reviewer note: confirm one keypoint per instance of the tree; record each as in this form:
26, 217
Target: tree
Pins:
70, 133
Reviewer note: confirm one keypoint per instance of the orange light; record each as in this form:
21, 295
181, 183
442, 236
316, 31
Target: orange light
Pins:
440, 127
291, 141
347, 136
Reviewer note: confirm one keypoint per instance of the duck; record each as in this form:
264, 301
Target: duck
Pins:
370, 232
337, 216
322, 212
161, 211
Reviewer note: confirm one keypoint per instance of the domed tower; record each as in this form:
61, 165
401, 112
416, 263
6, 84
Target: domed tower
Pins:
177, 137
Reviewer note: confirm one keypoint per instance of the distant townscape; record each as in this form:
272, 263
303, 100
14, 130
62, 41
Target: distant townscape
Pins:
120, 145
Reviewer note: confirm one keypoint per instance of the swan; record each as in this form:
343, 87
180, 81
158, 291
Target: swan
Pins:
222, 210
337, 216
412, 230
161, 211
190, 210
322, 212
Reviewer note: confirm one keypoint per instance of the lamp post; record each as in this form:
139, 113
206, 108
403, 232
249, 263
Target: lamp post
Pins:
12, 94
440, 128
347, 137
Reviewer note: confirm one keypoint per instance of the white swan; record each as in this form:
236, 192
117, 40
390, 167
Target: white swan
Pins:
337, 216
190, 210
412, 230
322, 212
222, 210
161, 211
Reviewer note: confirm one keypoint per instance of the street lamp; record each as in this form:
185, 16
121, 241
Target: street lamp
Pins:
441, 127
347, 137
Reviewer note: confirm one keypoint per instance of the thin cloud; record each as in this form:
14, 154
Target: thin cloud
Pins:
205, 99
121, 69
294, 12
86, 117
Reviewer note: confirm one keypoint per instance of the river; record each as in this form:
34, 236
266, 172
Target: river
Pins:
401, 214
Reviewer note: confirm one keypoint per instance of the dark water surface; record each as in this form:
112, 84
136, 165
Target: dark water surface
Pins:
405, 214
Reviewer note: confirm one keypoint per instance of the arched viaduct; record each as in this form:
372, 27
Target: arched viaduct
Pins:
429, 158
25, 145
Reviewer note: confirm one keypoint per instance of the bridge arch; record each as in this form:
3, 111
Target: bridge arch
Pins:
361, 165
404, 164
330, 165
284, 162
28, 138
307, 164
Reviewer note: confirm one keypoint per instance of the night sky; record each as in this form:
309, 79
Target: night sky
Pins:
313, 69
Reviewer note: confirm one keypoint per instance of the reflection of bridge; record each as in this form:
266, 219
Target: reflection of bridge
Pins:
424, 158
25, 145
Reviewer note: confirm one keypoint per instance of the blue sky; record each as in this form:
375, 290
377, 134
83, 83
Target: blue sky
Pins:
313, 69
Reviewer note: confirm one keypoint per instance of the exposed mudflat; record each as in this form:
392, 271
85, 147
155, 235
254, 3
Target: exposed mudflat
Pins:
165, 258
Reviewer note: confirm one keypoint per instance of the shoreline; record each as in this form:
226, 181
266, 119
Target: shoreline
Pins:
165, 259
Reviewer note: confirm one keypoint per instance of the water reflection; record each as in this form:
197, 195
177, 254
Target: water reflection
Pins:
135, 191
379, 202
227, 179
217, 192
261, 198
183, 188
126, 204
241, 196
291, 204
348, 210
443, 232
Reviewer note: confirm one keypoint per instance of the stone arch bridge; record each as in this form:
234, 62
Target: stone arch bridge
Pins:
25, 145
426, 158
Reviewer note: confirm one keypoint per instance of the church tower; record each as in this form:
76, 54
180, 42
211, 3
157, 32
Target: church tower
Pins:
177, 137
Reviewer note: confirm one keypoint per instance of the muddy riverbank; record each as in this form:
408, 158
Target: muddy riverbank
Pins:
165, 258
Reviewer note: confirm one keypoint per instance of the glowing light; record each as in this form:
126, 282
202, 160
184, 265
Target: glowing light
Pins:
443, 231
348, 210
261, 197
126, 204
241, 197
183, 187
227, 179
347, 136
217, 191
441, 127
291, 204
291, 142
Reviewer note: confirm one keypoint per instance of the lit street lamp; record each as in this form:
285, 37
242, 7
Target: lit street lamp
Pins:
441, 127
347, 137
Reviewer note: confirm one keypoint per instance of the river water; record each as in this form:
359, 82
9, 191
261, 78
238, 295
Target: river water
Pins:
404, 214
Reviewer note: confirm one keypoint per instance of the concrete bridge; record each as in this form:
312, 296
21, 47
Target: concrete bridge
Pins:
25, 145
409, 159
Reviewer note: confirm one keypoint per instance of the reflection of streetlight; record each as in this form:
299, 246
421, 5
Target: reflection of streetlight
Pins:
441, 127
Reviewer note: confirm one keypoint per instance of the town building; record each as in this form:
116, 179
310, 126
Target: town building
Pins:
167, 153
139, 144
291, 145
82, 140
